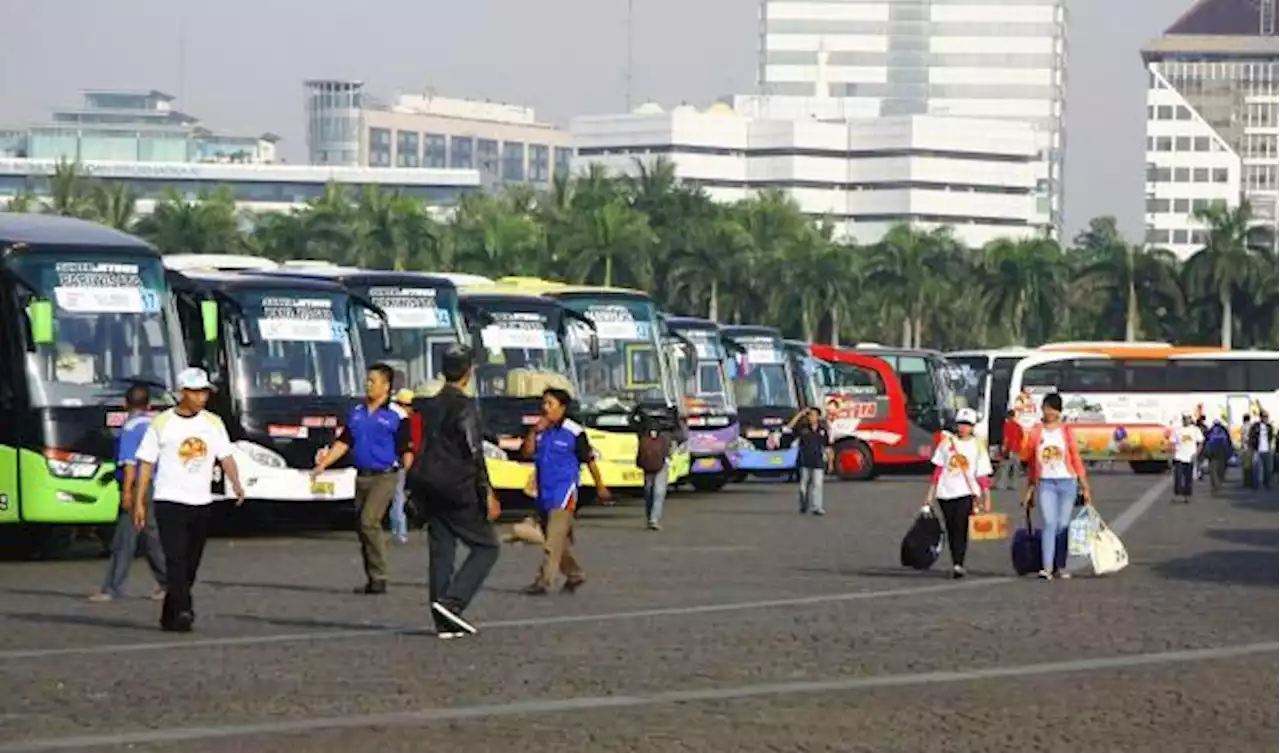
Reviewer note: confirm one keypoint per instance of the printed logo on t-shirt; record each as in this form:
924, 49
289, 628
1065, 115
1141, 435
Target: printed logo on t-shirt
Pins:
192, 451
957, 463
1050, 454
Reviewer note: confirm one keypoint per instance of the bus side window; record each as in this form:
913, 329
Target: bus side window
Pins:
1045, 375
1146, 376
917, 382
1092, 376
1264, 376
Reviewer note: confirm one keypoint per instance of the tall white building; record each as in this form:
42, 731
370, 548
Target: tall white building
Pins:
862, 175
1001, 59
1213, 118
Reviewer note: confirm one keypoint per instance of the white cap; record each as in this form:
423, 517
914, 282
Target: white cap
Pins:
967, 416
194, 379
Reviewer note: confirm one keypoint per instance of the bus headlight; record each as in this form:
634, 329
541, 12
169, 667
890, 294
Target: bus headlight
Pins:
259, 455
65, 464
493, 451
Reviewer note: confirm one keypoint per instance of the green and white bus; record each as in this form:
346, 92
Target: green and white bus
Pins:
85, 311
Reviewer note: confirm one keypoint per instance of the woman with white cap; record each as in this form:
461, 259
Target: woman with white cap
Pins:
962, 474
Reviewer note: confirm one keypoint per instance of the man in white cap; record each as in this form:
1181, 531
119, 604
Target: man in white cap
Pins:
180, 448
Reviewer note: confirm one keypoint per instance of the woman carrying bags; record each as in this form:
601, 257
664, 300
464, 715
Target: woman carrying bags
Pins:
1056, 474
961, 475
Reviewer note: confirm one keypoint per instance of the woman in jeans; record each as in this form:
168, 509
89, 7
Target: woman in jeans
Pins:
1057, 475
961, 479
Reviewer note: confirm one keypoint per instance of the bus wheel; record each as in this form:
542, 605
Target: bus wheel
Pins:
708, 482
854, 461
1148, 467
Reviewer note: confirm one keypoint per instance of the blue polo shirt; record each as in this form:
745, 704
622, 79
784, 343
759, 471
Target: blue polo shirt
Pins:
377, 437
557, 462
131, 434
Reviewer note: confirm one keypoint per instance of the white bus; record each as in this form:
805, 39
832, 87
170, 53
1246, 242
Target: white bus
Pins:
1123, 399
984, 377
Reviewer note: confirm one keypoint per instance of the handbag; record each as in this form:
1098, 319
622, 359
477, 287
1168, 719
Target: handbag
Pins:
1081, 531
1106, 552
988, 526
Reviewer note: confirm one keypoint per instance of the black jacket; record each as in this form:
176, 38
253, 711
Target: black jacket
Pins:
453, 420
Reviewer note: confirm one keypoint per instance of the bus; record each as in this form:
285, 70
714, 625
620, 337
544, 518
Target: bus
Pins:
1124, 400
865, 405
768, 393
633, 373
522, 347
286, 359
806, 371
984, 377
86, 312
715, 439
929, 383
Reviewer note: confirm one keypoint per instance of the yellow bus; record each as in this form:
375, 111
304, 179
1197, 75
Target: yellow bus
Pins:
633, 372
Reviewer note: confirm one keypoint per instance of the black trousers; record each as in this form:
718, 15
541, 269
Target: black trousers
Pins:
1183, 474
183, 532
444, 530
955, 516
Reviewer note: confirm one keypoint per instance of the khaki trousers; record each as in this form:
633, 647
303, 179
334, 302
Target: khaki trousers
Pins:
557, 528
373, 497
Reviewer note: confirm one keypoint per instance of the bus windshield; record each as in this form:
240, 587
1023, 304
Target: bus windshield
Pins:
631, 369
521, 354
302, 345
424, 322
762, 376
971, 373
113, 321
706, 383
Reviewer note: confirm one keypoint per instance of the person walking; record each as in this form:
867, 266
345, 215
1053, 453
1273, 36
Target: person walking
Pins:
961, 479
1187, 445
1056, 475
1010, 450
1217, 450
178, 450
449, 481
399, 520
813, 457
1262, 443
1246, 453
124, 542
652, 457
558, 447
378, 437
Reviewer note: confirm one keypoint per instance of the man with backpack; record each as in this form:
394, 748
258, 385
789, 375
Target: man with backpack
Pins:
1217, 448
450, 479
652, 453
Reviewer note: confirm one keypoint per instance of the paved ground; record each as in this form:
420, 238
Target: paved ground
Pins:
742, 627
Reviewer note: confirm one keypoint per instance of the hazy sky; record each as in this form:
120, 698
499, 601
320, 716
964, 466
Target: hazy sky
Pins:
245, 61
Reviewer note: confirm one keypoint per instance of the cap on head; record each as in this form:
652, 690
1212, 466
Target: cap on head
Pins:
967, 416
194, 379
404, 397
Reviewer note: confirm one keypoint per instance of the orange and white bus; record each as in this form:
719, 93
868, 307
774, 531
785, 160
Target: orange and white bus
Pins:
1124, 398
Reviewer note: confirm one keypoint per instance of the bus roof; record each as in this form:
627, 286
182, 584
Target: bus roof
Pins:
496, 292
555, 287
1131, 350
691, 323
461, 279
36, 230
1229, 355
757, 330
891, 350
355, 276
218, 262
229, 281
1011, 351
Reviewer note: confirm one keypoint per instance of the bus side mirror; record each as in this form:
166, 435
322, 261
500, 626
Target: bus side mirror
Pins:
41, 314
209, 319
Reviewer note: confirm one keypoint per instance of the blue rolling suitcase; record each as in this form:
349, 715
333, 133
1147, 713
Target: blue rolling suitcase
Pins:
1026, 550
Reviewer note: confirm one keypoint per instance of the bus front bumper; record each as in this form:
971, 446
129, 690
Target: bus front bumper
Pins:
763, 461
291, 484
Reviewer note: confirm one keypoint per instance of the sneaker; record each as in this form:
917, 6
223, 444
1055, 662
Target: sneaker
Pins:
803, 511
402, 538
1044, 575
957, 572
819, 511
534, 589
158, 594
571, 586
451, 616
101, 597
1062, 575
654, 525
180, 624
373, 587
447, 634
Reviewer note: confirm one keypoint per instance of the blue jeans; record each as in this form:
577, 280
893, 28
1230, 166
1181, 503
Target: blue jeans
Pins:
399, 523
655, 494
1262, 469
811, 489
1056, 498
124, 547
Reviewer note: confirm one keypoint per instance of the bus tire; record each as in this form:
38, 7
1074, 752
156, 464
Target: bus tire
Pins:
708, 482
1149, 467
854, 461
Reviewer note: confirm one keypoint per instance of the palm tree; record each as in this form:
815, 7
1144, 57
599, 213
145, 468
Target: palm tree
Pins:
1144, 280
114, 205
612, 236
69, 191
21, 202
208, 225
490, 238
706, 257
1229, 259
1023, 285
909, 263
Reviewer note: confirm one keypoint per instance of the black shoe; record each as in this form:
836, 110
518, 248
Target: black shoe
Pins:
180, 624
449, 622
534, 589
571, 586
372, 587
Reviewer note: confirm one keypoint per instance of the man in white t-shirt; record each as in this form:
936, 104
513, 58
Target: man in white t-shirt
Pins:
1188, 440
180, 449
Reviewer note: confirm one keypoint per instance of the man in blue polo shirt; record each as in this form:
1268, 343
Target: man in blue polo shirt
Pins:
380, 441
559, 448
124, 544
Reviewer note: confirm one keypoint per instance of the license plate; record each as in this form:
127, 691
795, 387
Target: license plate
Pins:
632, 477
708, 463
775, 460
322, 487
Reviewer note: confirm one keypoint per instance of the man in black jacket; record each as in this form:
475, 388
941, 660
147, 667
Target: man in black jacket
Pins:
450, 478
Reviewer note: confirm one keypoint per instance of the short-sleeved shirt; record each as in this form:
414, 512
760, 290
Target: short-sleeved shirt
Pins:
184, 450
813, 445
1186, 443
378, 437
131, 434
960, 463
558, 457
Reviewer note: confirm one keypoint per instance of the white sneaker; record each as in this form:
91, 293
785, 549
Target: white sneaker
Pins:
461, 626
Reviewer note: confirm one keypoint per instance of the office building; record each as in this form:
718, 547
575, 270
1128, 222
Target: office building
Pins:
506, 143
964, 58
132, 126
256, 187
863, 175
1213, 118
